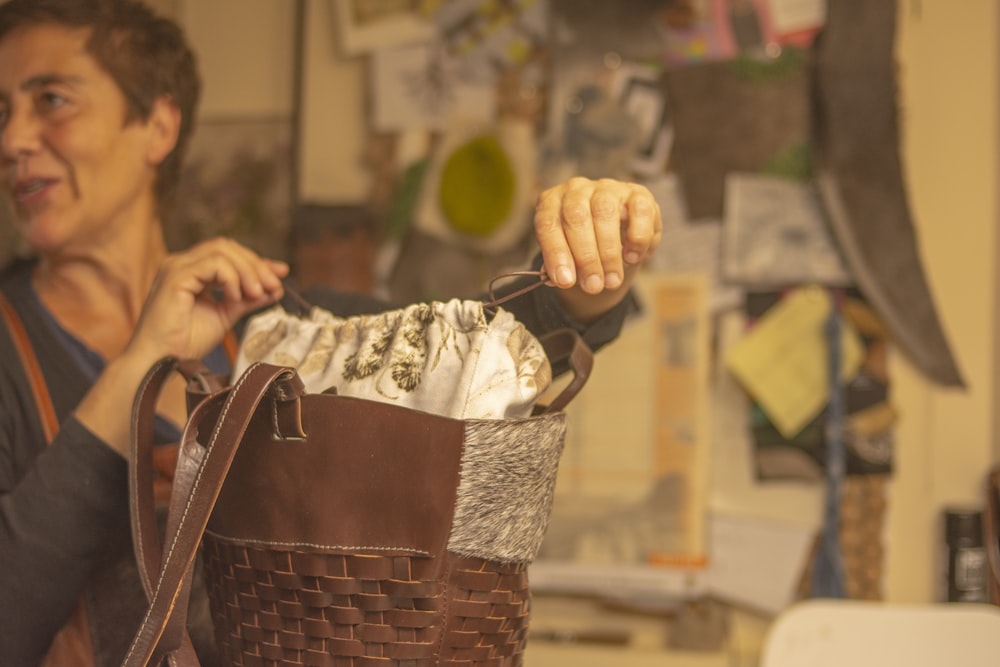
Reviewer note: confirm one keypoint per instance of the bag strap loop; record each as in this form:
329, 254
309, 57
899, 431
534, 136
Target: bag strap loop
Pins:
567, 344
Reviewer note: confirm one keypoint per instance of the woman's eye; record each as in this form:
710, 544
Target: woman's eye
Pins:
50, 100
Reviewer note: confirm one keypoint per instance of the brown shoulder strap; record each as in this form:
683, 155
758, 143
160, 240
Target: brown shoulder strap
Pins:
33, 371
231, 345
196, 490
39, 390
72, 644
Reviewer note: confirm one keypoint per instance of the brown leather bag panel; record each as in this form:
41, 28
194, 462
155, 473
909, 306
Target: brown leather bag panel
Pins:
369, 476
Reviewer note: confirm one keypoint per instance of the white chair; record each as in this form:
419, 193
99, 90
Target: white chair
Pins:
849, 633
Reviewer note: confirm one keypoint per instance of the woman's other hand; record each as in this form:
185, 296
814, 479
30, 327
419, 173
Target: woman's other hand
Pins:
195, 299
593, 236
199, 294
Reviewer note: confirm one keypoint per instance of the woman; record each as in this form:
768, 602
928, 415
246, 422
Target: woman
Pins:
97, 99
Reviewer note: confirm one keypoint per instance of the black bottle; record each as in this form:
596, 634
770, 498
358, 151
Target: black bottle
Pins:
966, 557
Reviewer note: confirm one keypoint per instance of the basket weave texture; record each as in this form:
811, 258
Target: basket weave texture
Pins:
278, 607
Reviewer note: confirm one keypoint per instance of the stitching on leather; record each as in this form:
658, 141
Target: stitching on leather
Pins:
269, 543
446, 598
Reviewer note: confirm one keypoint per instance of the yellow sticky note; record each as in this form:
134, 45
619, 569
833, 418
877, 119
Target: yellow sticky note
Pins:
782, 362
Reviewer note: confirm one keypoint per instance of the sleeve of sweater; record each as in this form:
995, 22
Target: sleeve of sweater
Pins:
541, 312
55, 516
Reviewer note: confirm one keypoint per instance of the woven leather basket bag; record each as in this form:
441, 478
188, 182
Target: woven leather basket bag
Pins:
342, 531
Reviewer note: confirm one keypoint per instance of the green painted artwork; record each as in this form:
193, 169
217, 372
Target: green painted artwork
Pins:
477, 187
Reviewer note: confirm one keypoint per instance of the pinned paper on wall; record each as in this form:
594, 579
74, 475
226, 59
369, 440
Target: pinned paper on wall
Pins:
796, 22
866, 429
487, 35
421, 87
782, 361
757, 562
366, 26
641, 94
775, 234
703, 30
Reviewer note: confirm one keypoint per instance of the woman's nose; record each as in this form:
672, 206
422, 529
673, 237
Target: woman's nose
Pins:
18, 134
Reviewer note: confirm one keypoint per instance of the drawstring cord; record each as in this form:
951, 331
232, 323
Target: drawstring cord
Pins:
494, 301
490, 303
297, 298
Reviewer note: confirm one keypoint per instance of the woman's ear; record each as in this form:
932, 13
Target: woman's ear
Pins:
164, 125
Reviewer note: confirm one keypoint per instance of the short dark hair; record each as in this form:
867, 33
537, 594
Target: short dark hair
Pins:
147, 56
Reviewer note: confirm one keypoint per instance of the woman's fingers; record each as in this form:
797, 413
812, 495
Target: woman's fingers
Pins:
589, 230
238, 272
199, 294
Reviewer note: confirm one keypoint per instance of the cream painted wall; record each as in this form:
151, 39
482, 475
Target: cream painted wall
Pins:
333, 116
245, 53
947, 52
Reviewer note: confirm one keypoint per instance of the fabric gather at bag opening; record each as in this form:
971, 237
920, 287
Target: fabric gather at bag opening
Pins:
448, 358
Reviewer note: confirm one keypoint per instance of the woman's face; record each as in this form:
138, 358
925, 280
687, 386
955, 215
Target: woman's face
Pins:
75, 171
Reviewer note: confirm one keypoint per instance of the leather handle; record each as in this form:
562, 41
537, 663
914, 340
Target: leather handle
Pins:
141, 474
141, 464
198, 480
567, 344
